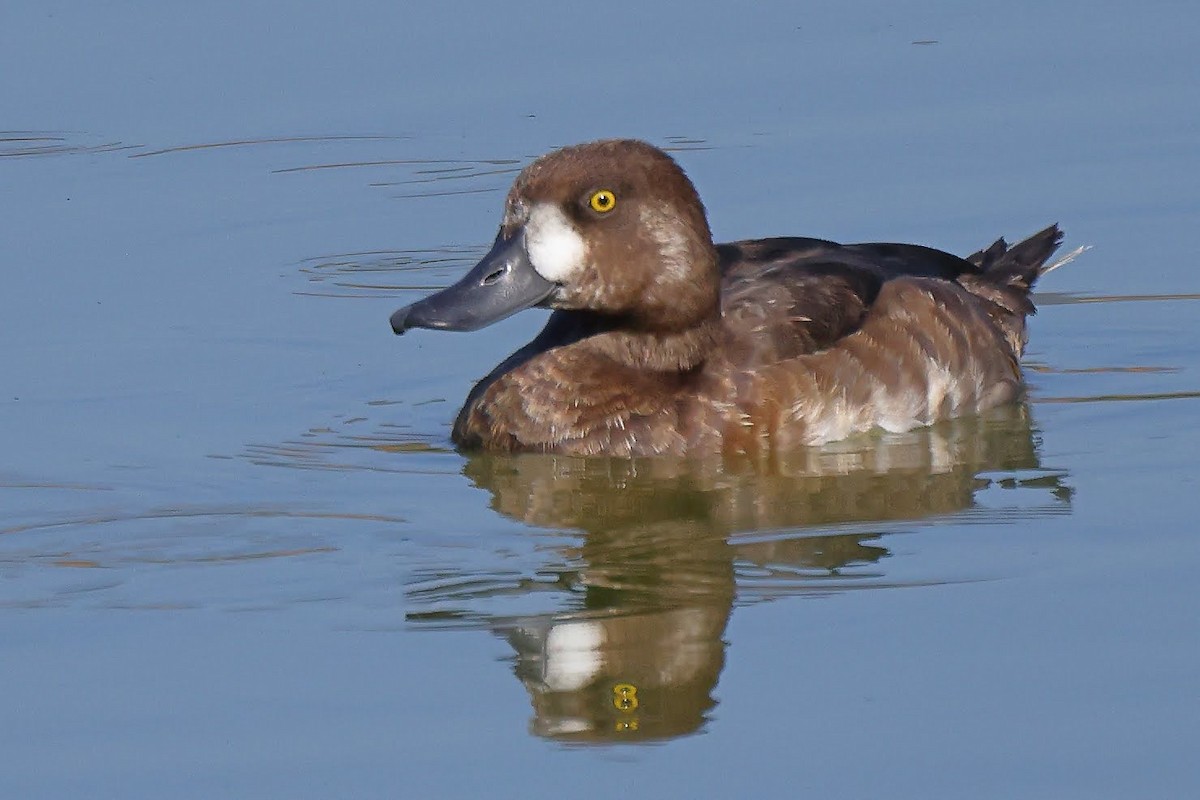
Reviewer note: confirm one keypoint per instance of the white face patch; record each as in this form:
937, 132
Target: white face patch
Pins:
573, 655
555, 248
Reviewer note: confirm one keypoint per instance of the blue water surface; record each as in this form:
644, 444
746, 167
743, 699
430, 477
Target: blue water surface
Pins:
239, 556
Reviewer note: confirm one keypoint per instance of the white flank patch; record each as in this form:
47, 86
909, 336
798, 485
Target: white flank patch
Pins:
555, 248
573, 656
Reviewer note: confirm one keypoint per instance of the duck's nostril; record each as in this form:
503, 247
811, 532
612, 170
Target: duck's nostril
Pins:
495, 276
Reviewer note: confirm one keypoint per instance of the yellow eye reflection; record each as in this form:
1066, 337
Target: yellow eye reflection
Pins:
603, 201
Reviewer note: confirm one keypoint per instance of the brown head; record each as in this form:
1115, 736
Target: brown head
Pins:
612, 226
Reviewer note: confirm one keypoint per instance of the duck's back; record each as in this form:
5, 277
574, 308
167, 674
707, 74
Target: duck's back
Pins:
824, 339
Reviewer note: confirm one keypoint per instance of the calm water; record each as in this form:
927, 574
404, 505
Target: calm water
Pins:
239, 557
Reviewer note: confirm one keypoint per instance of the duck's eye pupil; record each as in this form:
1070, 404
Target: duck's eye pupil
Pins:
603, 201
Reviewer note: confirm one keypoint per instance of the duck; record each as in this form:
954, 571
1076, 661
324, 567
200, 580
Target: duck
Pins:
662, 342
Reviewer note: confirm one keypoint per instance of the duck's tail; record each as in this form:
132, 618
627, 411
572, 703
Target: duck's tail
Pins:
1021, 264
1007, 275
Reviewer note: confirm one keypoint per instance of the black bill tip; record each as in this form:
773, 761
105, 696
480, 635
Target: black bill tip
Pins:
399, 321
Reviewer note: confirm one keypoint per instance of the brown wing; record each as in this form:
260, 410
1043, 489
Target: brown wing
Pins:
785, 297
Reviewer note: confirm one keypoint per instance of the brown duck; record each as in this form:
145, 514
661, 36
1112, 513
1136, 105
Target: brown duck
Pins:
662, 342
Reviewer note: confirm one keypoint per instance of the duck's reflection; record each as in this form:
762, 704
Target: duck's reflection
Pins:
668, 547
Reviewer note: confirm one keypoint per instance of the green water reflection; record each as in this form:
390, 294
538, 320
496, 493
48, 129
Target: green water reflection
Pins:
668, 548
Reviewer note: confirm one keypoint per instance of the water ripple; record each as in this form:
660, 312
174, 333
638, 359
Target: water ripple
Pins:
386, 273
25, 144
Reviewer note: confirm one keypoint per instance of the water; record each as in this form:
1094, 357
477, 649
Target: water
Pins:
239, 557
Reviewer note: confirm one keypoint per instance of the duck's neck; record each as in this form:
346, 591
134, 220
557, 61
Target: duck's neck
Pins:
656, 351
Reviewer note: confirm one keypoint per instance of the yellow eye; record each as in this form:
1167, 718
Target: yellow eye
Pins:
603, 201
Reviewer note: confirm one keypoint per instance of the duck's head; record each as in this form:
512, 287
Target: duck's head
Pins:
613, 227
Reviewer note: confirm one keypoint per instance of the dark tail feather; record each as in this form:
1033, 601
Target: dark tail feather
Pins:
1021, 264
1006, 276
